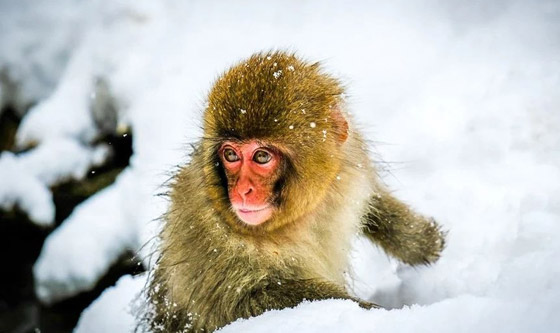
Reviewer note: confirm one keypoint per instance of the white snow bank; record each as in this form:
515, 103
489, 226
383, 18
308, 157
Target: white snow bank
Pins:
21, 189
66, 112
26, 177
61, 159
72, 258
97, 232
113, 310
36, 39
452, 315
119, 47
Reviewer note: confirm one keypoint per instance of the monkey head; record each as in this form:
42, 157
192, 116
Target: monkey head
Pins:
273, 132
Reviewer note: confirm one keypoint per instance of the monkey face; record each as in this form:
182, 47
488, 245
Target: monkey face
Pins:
252, 170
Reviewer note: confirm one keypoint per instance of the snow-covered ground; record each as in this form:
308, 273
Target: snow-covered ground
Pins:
461, 98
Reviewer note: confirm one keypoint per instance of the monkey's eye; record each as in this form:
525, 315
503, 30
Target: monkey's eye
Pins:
262, 157
230, 155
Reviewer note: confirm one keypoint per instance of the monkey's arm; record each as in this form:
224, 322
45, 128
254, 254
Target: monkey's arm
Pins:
289, 293
401, 232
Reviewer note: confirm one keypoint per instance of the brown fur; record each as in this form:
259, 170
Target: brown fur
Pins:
213, 268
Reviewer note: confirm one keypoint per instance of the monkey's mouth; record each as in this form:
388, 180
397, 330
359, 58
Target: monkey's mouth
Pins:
254, 215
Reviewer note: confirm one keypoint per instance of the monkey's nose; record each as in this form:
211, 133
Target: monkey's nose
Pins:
244, 188
245, 192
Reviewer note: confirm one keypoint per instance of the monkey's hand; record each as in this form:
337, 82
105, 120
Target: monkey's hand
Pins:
289, 293
401, 232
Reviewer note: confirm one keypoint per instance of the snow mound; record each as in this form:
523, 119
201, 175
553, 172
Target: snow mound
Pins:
21, 189
67, 256
113, 310
451, 315
36, 39
115, 47
26, 178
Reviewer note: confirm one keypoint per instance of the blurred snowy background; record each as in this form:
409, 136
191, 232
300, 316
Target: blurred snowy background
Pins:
99, 99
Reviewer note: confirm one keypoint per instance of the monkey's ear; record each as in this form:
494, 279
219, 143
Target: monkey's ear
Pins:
341, 126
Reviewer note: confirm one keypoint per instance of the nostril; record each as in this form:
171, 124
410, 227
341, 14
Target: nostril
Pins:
244, 192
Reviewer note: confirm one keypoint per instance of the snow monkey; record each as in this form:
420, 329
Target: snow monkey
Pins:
264, 214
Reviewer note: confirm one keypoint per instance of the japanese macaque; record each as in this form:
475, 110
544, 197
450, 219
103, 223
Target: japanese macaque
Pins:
264, 214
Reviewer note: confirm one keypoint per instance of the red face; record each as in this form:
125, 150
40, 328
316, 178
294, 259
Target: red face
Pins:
252, 169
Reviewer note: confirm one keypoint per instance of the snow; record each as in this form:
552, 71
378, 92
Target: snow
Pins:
108, 232
461, 98
56, 159
118, 317
451, 315
28, 175
37, 39
20, 189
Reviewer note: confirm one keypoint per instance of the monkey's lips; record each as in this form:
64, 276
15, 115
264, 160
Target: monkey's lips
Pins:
254, 215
